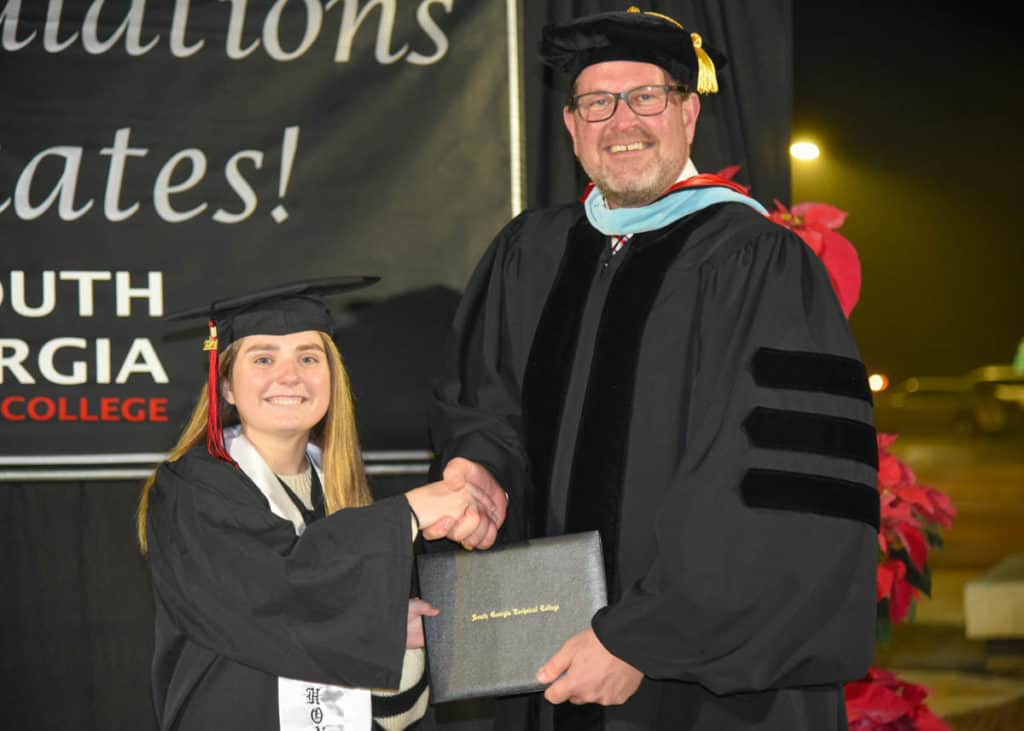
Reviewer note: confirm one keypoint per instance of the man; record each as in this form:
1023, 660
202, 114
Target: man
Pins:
663, 364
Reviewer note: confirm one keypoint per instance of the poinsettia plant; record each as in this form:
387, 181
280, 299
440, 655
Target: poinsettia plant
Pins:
912, 515
884, 702
817, 224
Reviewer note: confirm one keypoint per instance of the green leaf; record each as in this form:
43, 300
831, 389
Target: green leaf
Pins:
921, 580
883, 631
926, 581
883, 625
934, 539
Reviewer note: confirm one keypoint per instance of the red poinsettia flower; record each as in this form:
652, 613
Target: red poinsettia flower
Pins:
816, 224
885, 441
912, 538
934, 506
910, 513
909, 509
895, 512
890, 471
889, 572
901, 598
892, 584
884, 702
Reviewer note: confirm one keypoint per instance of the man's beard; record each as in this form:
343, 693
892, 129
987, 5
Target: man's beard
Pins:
635, 190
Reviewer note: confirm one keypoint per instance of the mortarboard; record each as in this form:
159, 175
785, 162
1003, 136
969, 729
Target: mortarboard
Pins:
632, 35
280, 310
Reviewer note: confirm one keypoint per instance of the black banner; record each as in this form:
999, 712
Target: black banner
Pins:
158, 155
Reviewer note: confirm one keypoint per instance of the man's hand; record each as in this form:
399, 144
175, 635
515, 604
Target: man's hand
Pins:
490, 498
592, 674
444, 509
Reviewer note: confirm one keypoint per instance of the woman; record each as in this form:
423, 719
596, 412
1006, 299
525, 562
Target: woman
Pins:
281, 589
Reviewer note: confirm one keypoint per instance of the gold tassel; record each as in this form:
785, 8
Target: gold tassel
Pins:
211, 342
707, 80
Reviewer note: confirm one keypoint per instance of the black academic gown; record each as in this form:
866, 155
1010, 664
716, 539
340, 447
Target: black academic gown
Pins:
699, 399
241, 600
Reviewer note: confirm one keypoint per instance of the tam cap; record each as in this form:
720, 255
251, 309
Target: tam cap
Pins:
632, 35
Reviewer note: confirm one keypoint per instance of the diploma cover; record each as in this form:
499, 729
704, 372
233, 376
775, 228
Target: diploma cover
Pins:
506, 611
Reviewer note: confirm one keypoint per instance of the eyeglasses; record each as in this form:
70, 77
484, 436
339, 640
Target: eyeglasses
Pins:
647, 101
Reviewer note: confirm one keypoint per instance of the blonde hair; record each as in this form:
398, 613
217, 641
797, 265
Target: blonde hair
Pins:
345, 483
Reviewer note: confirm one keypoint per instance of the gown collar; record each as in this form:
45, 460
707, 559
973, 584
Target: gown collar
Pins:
252, 464
692, 192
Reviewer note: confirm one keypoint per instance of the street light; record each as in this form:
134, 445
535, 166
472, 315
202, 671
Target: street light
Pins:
804, 150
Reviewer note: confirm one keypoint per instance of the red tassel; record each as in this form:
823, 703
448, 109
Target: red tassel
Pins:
214, 432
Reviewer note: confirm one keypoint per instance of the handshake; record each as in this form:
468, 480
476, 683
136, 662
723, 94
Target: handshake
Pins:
467, 506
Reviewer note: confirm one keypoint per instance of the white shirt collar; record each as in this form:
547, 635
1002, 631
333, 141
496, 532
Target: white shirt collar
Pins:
689, 170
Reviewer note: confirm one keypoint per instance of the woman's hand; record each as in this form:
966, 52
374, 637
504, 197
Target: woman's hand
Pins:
418, 608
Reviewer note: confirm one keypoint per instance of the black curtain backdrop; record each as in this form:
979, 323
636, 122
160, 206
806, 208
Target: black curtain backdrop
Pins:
75, 605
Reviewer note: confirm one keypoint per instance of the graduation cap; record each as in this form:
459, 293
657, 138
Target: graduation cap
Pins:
632, 35
281, 310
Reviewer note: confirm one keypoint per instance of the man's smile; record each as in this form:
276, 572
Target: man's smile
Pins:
621, 147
